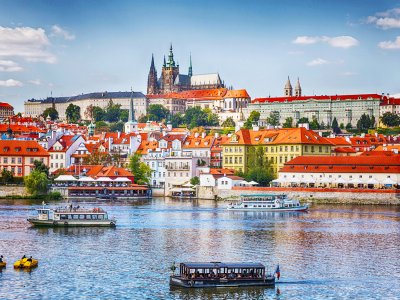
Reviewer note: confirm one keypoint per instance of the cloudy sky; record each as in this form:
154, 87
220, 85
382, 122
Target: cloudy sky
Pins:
73, 47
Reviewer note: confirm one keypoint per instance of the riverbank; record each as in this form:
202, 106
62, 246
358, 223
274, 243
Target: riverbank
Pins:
314, 195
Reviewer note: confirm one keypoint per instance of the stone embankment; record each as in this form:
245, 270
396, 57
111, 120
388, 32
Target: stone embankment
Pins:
12, 190
315, 195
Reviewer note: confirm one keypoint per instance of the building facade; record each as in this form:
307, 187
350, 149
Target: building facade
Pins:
6, 110
34, 107
18, 156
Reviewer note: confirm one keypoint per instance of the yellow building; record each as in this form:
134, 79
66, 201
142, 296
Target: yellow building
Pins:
278, 146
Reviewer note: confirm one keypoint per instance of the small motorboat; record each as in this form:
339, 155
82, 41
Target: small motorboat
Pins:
26, 263
3, 264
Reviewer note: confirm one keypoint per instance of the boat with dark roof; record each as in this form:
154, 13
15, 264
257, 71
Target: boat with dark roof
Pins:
218, 274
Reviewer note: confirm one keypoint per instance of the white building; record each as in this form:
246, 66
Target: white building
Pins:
61, 151
375, 171
34, 107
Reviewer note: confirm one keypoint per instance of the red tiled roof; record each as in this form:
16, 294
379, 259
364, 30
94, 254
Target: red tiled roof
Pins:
20, 128
6, 105
390, 101
343, 164
66, 141
212, 94
222, 171
344, 150
198, 142
21, 148
322, 97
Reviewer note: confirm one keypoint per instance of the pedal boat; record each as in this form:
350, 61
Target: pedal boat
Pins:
25, 264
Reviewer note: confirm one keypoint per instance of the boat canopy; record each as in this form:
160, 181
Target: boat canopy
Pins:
104, 179
86, 179
214, 265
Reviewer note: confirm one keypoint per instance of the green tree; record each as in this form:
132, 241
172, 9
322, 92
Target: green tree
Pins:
228, 123
314, 124
73, 113
140, 170
273, 118
261, 175
36, 183
52, 112
254, 117
41, 167
102, 126
364, 123
212, 119
390, 119
112, 112
98, 114
177, 120
335, 126
6, 176
195, 117
195, 180
349, 126
303, 120
124, 116
119, 126
288, 123
157, 112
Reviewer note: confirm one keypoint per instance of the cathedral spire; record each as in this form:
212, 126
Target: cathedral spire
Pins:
171, 62
288, 90
297, 89
152, 67
190, 73
131, 109
152, 87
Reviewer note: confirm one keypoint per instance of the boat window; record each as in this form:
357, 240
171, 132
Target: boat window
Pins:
75, 217
269, 206
70, 217
88, 217
264, 206
81, 217
245, 206
63, 217
94, 217
101, 217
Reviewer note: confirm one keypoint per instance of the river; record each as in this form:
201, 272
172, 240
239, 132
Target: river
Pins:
331, 252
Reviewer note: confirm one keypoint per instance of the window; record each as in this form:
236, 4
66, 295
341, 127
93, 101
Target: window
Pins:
19, 160
13, 160
5, 160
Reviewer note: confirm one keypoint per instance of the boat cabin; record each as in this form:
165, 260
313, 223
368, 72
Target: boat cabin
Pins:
213, 270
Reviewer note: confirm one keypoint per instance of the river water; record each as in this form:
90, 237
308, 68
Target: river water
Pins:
331, 252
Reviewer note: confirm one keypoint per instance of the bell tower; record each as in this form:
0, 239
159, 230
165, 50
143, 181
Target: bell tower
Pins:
288, 90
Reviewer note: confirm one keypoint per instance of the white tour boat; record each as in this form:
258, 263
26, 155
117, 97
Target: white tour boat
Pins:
71, 216
267, 202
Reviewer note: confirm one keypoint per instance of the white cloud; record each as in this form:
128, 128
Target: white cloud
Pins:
28, 43
10, 83
9, 66
343, 41
390, 44
317, 62
306, 40
387, 19
35, 81
58, 31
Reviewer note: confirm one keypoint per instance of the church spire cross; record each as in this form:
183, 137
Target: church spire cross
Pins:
131, 109
171, 62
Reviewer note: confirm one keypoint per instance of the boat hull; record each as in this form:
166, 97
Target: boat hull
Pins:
283, 209
3, 264
176, 281
73, 223
25, 264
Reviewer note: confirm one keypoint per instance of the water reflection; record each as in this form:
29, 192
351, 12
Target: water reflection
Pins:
332, 252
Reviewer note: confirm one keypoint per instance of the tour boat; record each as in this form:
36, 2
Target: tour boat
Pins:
267, 202
72, 216
218, 274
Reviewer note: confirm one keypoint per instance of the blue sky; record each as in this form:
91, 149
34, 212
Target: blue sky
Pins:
72, 47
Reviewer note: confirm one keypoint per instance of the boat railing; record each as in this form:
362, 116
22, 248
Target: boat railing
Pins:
79, 210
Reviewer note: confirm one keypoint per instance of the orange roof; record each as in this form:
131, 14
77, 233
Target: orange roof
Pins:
21, 148
145, 146
222, 171
344, 150
387, 148
237, 94
338, 141
343, 164
354, 97
277, 136
216, 147
212, 94
66, 141
5, 105
110, 171
198, 142
20, 128
378, 153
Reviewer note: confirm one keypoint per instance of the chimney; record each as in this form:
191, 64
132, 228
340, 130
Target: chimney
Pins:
203, 135
196, 134
216, 135
119, 134
110, 141
395, 151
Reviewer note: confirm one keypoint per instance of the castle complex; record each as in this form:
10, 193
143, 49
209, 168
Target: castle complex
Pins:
172, 81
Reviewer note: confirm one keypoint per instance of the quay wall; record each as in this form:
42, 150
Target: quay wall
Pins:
12, 190
316, 195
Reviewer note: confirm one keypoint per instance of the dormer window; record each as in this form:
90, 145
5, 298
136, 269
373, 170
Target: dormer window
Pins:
5, 149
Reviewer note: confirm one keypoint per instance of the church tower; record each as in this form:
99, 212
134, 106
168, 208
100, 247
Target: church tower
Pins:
288, 90
190, 72
169, 73
131, 125
297, 89
152, 86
